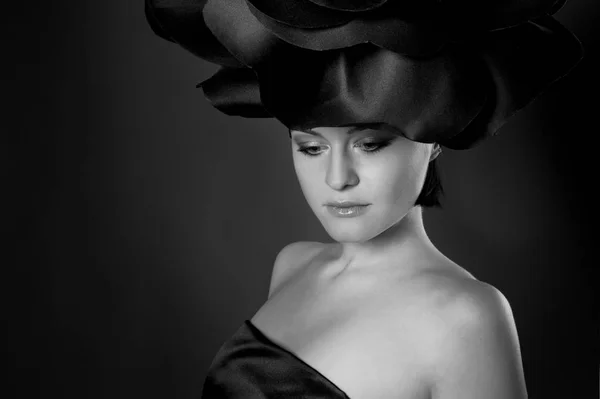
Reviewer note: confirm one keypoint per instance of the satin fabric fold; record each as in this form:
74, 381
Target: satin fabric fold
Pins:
251, 366
451, 72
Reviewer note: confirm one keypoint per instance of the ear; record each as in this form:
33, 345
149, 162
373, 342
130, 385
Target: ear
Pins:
435, 151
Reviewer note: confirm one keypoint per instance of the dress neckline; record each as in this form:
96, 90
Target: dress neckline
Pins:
260, 335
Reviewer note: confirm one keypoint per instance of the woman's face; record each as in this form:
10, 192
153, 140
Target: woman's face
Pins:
372, 165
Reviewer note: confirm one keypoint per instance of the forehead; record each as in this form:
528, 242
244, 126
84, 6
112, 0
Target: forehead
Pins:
350, 129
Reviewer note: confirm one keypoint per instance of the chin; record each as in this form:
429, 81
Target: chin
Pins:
348, 230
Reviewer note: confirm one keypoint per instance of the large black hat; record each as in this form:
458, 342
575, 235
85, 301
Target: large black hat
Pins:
445, 71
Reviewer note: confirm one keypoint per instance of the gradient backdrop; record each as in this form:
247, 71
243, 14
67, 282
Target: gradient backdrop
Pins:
145, 223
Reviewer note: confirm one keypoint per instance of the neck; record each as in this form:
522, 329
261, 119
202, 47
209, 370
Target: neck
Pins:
401, 244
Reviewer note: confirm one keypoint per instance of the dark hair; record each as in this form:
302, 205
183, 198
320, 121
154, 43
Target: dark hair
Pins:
432, 188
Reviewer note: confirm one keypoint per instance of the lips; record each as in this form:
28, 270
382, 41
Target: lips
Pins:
345, 204
346, 209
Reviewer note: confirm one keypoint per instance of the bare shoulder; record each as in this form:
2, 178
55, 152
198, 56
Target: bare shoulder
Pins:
290, 258
450, 301
469, 344
457, 297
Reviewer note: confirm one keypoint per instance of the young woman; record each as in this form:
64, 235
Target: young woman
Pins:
370, 92
382, 313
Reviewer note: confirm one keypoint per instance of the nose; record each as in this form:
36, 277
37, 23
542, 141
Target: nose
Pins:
341, 172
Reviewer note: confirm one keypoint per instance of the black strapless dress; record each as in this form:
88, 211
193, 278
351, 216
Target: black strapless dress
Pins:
251, 366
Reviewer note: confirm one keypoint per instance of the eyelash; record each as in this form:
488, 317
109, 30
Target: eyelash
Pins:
380, 145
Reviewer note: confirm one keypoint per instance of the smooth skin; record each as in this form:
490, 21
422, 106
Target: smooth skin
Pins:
380, 312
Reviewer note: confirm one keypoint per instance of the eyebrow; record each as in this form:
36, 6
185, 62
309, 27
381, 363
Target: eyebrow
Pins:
354, 129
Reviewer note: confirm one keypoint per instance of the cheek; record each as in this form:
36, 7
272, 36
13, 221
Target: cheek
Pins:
308, 176
396, 178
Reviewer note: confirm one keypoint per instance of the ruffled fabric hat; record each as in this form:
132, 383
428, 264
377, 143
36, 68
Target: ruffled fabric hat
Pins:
445, 71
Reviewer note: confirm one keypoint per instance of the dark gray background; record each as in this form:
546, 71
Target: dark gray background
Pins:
145, 223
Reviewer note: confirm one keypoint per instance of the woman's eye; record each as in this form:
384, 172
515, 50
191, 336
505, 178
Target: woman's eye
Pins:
370, 146
374, 146
311, 151
366, 146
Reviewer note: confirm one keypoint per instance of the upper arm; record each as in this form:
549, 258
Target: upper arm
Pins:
288, 260
477, 354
